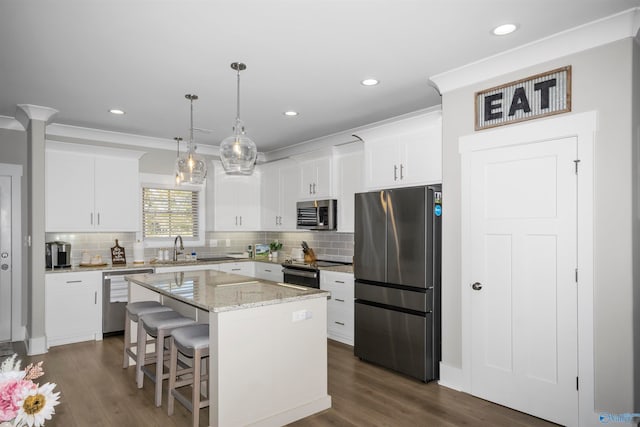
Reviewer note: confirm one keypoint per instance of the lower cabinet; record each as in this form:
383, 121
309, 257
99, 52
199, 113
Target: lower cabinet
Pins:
340, 305
269, 271
73, 307
241, 268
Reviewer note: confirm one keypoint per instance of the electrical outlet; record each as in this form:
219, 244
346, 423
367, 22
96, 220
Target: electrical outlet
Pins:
213, 243
228, 242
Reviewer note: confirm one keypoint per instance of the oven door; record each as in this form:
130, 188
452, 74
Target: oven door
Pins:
296, 276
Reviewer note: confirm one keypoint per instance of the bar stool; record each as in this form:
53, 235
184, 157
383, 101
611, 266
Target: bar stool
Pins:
132, 312
159, 325
193, 342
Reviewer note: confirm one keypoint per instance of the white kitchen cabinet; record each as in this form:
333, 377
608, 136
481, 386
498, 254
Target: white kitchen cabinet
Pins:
73, 307
89, 192
340, 307
236, 201
279, 194
245, 268
349, 160
268, 271
182, 268
316, 180
404, 153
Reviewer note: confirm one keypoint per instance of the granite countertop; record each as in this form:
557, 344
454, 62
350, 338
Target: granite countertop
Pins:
218, 291
131, 266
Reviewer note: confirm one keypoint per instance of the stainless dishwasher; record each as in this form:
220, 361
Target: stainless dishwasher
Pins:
115, 295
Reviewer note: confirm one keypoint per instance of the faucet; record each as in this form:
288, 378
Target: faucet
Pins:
175, 248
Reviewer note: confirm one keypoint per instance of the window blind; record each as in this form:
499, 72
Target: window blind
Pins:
167, 213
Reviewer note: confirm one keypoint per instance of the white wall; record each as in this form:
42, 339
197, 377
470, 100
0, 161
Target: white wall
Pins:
602, 81
636, 219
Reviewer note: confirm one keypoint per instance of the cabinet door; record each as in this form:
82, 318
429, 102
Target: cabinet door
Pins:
240, 268
323, 188
237, 202
421, 157
117, 189
269, 271
350, 181
270, 197
69, 197
309, 175
381, 164
73, 307
289, 179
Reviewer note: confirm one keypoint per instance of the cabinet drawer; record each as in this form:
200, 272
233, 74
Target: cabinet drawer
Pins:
340, 325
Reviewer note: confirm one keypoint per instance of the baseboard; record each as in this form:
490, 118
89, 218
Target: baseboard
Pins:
37, 345
451, 377
295, 414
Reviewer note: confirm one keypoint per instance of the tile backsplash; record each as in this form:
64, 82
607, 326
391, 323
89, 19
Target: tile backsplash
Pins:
328, 245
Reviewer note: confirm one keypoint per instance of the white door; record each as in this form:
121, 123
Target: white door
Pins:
523, 260
5, 258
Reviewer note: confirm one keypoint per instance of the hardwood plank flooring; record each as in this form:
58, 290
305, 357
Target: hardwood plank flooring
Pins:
96, 391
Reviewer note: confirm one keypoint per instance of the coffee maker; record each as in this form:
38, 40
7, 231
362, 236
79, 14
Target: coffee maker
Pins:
58, 254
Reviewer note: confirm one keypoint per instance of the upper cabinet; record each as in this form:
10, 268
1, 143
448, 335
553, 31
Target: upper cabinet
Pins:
235, 201
404, 153
349, 180
279, 194
91, 192
317, 174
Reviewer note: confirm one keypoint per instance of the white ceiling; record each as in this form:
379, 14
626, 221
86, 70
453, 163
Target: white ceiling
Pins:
83, 57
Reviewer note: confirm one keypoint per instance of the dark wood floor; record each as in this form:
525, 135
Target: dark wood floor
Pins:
96, 391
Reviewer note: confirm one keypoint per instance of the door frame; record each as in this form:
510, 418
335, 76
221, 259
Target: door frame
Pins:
582, 126
18, 330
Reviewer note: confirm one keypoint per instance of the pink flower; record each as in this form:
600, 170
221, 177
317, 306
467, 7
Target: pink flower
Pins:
11, 393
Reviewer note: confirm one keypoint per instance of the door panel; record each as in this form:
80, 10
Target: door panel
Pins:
5, 258
370, 237
523, 253
406, 242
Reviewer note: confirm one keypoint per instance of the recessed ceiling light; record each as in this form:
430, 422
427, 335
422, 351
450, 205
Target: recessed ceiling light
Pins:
290, 113
369, 82
116, 111
504, 29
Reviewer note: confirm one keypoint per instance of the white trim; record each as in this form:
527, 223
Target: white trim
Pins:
583, 126
15, 171
36, 345
27, 112
597, 33
451, 377
92, 149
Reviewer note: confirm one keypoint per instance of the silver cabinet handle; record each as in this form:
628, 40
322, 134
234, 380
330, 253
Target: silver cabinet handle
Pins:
91, 218
401, 169
340, 300
240, 220
314, 188
310, 189
268, 271
235, 269
236, 219
395, 172
338, 281
95, 298
98, 218
339, 323
476, 286
74, 281
276, 219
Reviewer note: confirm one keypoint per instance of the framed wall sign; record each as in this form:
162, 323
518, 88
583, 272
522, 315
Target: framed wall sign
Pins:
531, 98
117, 255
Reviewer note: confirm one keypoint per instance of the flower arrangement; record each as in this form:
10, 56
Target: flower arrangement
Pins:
275, 246
22, 402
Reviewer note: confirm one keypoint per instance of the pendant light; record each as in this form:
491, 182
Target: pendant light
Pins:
192, 167
238, 152
177, 139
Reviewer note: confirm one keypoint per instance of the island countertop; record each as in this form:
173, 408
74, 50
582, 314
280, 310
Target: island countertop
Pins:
217, 291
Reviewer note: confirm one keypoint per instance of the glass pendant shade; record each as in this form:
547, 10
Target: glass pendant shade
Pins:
238, 152
191, 167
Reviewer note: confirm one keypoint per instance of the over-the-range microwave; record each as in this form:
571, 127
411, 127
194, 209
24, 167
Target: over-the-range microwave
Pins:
317, 215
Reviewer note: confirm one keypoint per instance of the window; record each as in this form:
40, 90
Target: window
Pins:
168, 212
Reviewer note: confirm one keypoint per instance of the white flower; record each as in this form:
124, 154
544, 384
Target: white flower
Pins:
37, 406
10, 364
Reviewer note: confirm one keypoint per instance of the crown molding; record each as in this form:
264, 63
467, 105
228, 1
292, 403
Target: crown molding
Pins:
27, 112
597, 33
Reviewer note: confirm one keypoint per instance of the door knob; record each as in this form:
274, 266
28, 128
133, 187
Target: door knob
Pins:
476, 286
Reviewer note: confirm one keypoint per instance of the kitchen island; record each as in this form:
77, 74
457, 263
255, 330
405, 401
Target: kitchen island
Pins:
268, 342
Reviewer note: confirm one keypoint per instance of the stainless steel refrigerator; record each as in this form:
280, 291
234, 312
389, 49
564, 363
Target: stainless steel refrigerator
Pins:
397, 264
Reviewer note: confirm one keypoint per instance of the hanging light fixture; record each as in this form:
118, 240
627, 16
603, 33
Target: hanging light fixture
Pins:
192, 167
238, 152
177, 139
